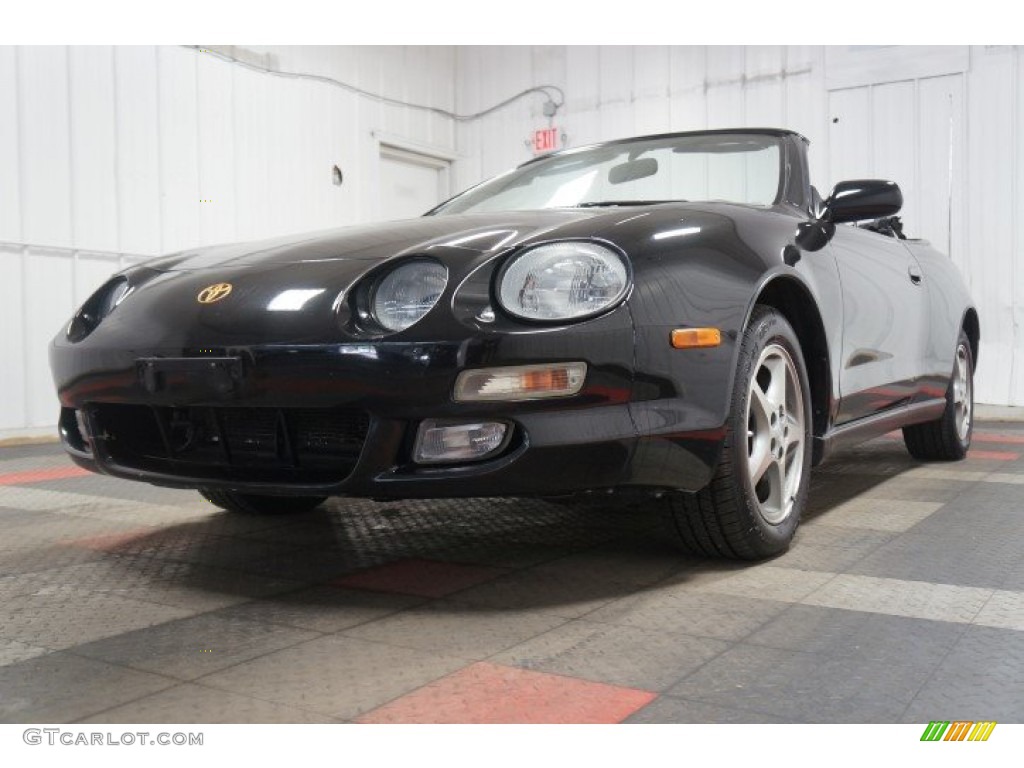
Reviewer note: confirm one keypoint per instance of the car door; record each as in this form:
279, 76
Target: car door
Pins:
884, 311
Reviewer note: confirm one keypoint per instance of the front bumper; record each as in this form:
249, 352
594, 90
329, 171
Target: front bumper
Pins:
586, 442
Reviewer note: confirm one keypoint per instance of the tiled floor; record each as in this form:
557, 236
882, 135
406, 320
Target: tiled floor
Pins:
902, 600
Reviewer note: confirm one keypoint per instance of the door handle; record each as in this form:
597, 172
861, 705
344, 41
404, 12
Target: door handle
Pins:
915, 274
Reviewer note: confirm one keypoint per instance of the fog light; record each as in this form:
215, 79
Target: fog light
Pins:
439, 442
521, 382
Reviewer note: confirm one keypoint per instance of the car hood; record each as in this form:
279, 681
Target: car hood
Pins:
472, 234
292, 289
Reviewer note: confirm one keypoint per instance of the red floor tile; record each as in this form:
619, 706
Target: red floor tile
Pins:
39, 475
424, 578
109, 542
995, 437
998, 455
489, 693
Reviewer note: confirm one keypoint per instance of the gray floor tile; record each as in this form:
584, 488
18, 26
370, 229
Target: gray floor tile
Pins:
191, 703
66, 616
323, 608
879, 513
13, 651
946, 558
898, 597
802, 687
725, 617
456, 629
837, 632
982, 678
62, 687
335, 675
194, 647
633, 657
570, 596
621, 564
110, 487
184, 585
669, 709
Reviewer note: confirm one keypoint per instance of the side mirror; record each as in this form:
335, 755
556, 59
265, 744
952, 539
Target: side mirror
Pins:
862, 199
850, 201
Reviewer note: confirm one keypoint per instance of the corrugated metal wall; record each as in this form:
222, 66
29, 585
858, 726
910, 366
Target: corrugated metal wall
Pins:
109, 155
947, 123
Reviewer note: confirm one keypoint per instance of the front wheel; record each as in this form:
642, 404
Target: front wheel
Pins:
752, 506
949, 437
256, 504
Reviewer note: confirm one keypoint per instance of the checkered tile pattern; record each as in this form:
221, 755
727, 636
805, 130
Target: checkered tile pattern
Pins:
902, 600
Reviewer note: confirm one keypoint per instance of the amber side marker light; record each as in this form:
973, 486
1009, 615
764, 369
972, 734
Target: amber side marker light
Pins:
520, 382
696, 338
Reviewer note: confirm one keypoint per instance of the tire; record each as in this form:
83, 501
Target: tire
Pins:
949, 437
253, 504
751, 508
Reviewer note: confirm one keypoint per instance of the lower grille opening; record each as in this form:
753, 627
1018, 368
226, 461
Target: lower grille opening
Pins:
288, 445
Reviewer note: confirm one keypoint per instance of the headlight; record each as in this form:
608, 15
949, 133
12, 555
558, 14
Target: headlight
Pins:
97, 307
407, 293
563, 281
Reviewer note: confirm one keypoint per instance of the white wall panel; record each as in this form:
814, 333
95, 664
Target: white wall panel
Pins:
895, 136
93, 133
725, 106
12, 339
688, 75
10, 163
615, 76
652, 105
252, 148
215, 118
849, 139
726, 65
45, 145
90, 271
763, 61
941, 132
765, 102
48, 286
1016, 275
993, 210
138, 149
179, 149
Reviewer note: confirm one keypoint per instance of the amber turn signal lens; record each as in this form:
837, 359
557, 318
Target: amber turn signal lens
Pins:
695, 338
520, 382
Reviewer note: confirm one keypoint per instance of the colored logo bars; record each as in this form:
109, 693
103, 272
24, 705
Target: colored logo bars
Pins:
961, 730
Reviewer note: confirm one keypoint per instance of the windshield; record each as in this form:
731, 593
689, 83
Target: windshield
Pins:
735, 167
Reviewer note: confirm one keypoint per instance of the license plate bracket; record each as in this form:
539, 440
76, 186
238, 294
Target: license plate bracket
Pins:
193, 377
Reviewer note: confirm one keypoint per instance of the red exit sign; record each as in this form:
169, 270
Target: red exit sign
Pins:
545, 140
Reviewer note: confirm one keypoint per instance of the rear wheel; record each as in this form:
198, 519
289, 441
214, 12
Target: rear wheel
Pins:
752, 505
255, 504
949, 437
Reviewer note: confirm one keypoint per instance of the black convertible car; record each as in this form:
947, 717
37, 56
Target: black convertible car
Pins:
677, 315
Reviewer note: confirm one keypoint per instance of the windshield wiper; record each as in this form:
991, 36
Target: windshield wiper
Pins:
600, 203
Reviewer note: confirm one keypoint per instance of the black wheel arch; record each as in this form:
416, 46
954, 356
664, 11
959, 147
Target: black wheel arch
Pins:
972, 326
790, 295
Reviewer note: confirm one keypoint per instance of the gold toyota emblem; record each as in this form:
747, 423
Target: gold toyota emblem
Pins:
212, 293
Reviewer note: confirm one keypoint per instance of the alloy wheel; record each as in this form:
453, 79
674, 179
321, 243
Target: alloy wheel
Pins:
962, 395
775, 433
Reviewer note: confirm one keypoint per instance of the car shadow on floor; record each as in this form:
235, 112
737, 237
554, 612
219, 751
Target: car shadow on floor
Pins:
497, 554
